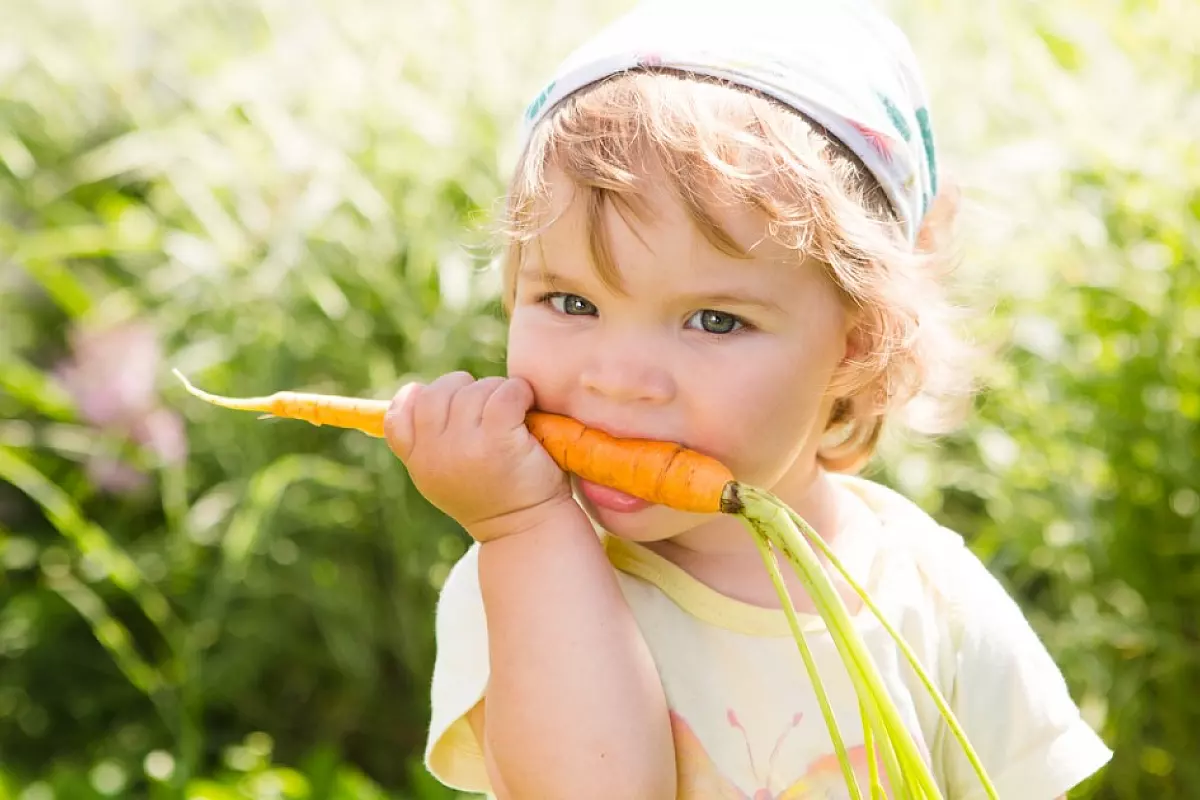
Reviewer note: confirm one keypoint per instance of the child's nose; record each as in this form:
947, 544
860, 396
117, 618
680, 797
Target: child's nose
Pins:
629, 377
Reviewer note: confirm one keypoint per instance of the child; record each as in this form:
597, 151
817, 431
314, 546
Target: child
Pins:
724, 234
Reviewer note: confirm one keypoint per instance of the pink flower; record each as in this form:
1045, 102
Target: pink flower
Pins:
111, 375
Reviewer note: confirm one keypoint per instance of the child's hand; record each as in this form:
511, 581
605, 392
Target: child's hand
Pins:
467, 450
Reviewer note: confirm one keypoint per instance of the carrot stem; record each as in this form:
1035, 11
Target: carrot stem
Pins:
872, 755
763, 540
938, 700
777, 522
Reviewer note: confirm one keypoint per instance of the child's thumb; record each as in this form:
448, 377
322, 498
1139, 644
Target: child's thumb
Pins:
398, 426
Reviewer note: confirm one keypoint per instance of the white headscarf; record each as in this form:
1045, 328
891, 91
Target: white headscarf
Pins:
841, 63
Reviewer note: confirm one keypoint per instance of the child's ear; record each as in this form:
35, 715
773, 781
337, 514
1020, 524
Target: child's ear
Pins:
856, 345
848, 377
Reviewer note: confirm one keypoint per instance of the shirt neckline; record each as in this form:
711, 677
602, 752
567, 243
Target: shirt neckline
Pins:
857, 548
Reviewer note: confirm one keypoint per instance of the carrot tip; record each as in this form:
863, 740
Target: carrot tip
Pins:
243, 404
186, 383
203, 395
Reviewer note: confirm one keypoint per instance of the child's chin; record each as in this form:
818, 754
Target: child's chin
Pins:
644, 525
650, 524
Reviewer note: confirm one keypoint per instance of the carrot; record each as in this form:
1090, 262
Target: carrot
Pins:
660, 472
319, 409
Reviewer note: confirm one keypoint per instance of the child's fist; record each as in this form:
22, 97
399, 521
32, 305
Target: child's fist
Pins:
467, 450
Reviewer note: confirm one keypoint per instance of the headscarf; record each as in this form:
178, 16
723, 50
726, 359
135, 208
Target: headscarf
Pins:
841, 63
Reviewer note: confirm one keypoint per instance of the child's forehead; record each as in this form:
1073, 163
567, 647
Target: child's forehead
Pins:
652, 211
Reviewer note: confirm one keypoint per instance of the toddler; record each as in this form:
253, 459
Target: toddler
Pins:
724, 231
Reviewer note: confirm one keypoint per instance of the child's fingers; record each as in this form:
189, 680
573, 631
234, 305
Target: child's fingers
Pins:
466, 406
506, 408
433, 409
398, 424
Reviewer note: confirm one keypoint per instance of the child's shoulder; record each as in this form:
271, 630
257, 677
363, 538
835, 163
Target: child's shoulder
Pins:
907, 527
950, 574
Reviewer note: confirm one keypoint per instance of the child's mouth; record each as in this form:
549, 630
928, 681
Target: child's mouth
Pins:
610, 499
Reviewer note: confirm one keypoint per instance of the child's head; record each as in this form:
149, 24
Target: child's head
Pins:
649, 188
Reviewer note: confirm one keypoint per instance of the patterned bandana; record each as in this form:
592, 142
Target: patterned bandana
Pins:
841, 63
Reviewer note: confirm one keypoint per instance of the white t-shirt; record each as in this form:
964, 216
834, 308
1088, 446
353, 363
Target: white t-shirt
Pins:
744, 716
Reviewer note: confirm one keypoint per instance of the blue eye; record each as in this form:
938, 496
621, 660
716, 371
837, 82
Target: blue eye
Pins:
571, 304
716, 321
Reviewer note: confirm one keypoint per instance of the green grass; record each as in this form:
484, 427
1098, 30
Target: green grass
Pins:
273, 195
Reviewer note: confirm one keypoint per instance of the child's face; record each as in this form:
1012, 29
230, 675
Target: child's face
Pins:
730, 357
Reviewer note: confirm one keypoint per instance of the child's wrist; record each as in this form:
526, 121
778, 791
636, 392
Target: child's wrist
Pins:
555, 513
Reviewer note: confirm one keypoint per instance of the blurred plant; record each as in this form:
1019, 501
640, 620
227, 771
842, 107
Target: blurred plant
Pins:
248, 772
290, 195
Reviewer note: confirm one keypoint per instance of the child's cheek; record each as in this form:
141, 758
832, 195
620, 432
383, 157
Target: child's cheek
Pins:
536, 356
762, 427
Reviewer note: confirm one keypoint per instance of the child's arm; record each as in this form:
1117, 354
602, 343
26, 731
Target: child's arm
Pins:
574, 707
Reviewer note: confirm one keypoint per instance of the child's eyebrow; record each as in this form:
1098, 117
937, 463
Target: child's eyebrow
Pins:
535, 273
733, 299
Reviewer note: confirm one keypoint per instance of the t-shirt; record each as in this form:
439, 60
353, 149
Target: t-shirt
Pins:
745, 719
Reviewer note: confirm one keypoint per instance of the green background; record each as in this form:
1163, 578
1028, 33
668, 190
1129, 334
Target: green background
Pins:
280, 194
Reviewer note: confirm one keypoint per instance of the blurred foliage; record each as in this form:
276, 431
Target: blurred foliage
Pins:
295, 195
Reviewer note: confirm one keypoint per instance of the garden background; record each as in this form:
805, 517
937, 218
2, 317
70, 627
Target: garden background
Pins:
295, 194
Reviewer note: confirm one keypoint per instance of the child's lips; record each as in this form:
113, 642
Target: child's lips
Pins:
611, 499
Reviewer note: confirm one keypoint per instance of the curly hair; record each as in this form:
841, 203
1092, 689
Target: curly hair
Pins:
721, 144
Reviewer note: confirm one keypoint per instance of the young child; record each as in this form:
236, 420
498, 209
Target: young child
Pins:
724, 234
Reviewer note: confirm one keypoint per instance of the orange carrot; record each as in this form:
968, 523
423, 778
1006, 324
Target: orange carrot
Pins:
660, 472
319, 409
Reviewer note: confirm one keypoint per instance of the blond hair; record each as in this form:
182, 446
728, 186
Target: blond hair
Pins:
719, 144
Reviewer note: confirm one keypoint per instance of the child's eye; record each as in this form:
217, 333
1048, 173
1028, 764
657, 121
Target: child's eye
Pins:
569, 304
711, 321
